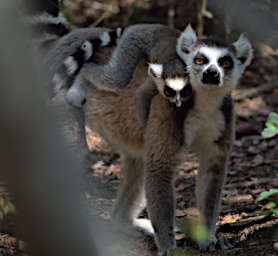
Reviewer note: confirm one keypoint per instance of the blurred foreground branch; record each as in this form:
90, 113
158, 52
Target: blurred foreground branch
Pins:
42, 174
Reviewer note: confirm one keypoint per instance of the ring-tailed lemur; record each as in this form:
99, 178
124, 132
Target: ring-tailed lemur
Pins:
204, 123
151, 154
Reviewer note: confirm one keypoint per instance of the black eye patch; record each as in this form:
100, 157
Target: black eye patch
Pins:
186, 91
200, 59
169, 92
226, 62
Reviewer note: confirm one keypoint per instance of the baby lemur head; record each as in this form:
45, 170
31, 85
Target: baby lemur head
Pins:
212, 64
171, 79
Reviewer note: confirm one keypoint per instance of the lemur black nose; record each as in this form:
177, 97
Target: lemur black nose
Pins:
211, 76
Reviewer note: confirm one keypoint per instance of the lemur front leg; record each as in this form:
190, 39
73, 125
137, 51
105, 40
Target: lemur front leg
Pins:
213, 161
163, 142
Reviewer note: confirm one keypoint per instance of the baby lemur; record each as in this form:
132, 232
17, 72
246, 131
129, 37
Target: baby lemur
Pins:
178, 119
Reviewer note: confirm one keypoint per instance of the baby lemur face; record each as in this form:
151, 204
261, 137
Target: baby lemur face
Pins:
212, 64
171, 80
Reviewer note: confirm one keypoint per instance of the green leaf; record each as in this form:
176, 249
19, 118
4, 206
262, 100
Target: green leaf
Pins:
200, 233
195, 229
269, 132
273, 118
9, 208
207, 14
266, 194
272, 126
275, 211
270, 205
267, 212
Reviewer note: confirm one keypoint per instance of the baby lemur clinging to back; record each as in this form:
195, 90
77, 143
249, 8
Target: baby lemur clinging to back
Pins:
202, 120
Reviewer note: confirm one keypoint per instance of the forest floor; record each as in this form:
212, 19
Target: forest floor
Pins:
253, 169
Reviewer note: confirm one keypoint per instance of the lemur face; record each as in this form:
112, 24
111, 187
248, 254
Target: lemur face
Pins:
212, 64
171, 81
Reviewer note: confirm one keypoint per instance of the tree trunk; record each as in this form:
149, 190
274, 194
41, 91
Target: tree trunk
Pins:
189, 11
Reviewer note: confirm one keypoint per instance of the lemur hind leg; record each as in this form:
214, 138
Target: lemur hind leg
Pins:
131, 197
213, 160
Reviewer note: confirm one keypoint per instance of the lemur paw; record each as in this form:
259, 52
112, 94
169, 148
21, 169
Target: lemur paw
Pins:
220, 243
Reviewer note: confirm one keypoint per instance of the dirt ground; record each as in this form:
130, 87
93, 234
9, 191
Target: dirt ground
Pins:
253, 169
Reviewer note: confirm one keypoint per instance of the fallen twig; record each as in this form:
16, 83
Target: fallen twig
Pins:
249, 93
239, 225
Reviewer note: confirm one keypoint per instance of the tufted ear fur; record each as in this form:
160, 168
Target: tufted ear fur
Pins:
243, 51
155, 70
185, 42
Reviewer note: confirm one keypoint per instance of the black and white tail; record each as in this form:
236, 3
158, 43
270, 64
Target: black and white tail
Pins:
85, 53
49, 28
46, 21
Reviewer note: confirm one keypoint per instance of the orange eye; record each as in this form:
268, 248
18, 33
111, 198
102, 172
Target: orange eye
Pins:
226, 64
169, 92
199, 61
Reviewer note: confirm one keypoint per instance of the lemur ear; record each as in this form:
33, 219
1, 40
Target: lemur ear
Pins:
185, 42
155, 70
244, 50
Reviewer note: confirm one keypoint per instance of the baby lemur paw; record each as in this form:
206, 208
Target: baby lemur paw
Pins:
220, 243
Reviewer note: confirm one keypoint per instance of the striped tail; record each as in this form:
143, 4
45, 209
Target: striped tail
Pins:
85, 53
46, 21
